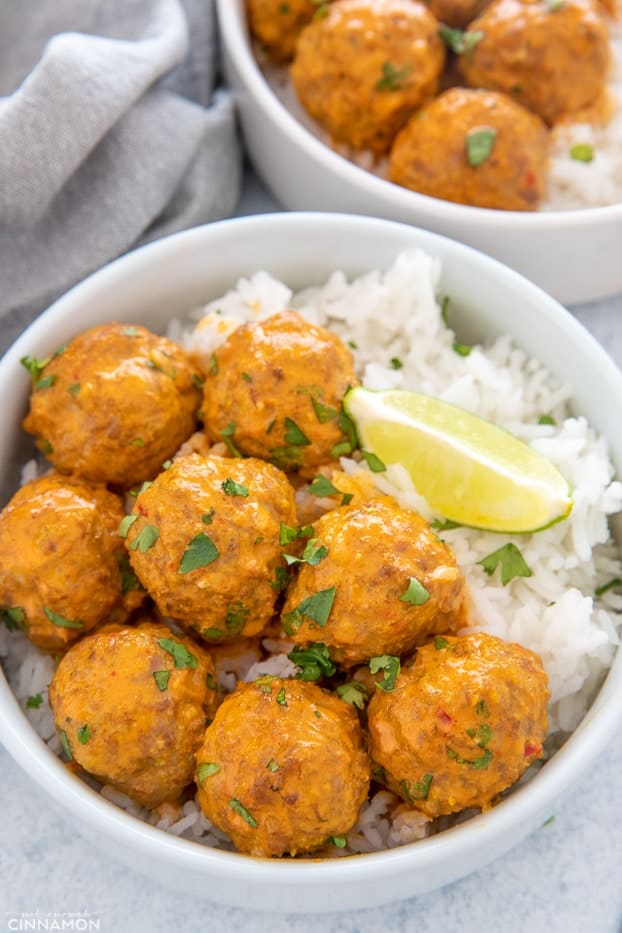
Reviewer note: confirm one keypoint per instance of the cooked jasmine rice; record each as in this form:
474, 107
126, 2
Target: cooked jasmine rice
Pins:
395, 324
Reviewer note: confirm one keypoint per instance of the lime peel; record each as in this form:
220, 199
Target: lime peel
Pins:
468, 469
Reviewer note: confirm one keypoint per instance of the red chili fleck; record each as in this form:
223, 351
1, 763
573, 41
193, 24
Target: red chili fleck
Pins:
530, 178
532, 749
142, 510
445, 718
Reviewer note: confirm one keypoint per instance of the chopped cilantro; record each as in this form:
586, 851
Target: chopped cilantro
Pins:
84, 734
311, 555
272, 766
511, 560
447, 525
64, 741
74, 388
322, 487
462, 349
145, 539
374, 463
181, 656
201, 552
482, 709
227, 436
237, 614
198, 383
440, 643
241, 810
392, 78
353, 345
313, 662
214, 634
34, 366
208, 518
13, 617
284, 9
45, 382
167, 464
342, 449
293, 435
129, 332
610, 585
347, 498
62, 621
161, 678
346, 426
34, 701
391, 667
271, 425
316, 607
232, 488
46, 446
206, 769
354, 693
415, 594
396, 363
287, 534
323, 413
339, 841
246, 377
459, 41
479, 144
138, 442
546, 419
281, 579
281, 697
210, 680
416, 790
213, 365
554, 6
129, 580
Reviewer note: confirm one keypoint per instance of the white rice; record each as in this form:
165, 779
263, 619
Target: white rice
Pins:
397, 313
571, 184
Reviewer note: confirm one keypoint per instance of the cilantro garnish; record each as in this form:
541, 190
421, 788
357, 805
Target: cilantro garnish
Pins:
74, 388
210, 680
444, 525
311, 555
129, 580
462, 349
34, 701
396, 363
415, 594
374, 463
241, 810
231, 488
161, 678
34, 366
546, 419
582, 152
13, 617
482, 709
323, 413
84, 734
391, 667
206, 769
213, 365
227, 436
272, 766
64, 741
316, 607
214, 634
281, 697
294, 436
237, 614
440, 643
392, 78
479, 144
610, 585
511, 560
181, 656
125, 524
287, 534
416, 790
45, 382
322, 487
281, 579
208, 518
201, 552
138, 442
459, 41
246, 377
61, 621
145, 539
339, 841
354, 693
313, 662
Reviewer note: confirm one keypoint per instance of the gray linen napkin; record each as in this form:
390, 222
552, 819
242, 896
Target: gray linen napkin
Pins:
111, 135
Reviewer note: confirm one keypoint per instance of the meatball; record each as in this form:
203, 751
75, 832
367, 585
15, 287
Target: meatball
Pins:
63, 569
474, 147
277, 25
204, 541
383, 583
466, 718
114, 404
366, 66
275, 391
551, 57
130, 705
282, 767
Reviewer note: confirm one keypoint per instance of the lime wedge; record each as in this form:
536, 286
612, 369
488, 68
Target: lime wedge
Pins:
469, 470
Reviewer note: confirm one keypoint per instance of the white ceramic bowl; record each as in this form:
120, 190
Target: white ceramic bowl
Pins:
167, 279
574, 255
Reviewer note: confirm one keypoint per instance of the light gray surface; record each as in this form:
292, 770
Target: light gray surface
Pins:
565, 878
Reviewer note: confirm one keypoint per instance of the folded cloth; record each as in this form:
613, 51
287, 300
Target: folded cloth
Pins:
112, 134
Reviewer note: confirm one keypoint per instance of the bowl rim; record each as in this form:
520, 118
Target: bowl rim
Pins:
237, 42
527, 803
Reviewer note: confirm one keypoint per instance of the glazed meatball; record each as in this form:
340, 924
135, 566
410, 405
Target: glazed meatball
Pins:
282, 767
275, 391
114, 405
474, 147
466, 718
456, 13
204, 541
277, 24
130, 706
383, 584
63, 569
366, 66
551, 57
